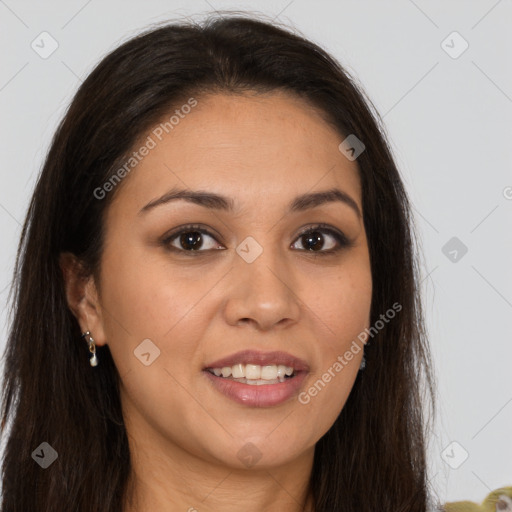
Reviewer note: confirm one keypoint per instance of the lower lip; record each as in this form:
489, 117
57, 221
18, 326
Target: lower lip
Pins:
265, 395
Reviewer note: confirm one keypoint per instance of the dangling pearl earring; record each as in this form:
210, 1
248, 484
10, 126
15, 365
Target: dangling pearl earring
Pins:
363, 361
92, 349
362, 366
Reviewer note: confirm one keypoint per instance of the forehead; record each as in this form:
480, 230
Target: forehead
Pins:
254, 147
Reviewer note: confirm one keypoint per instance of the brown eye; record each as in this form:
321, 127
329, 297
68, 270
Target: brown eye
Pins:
190, 239
314, 240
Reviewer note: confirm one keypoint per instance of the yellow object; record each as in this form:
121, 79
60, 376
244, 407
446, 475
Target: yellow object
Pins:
499, 500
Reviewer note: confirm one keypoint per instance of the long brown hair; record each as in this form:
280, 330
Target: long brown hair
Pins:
374, 455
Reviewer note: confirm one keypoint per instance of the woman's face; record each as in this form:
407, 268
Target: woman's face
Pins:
173, 306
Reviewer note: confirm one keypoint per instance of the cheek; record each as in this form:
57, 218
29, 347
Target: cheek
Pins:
137, 304
342, 312
143, 301
342, 304
147, 298
143, 291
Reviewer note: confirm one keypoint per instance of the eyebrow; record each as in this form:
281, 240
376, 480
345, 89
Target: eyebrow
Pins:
219, 202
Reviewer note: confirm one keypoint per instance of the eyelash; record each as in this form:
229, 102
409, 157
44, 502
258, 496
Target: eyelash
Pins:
343, 241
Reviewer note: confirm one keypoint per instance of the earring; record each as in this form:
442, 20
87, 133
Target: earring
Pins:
92, 348
362, 366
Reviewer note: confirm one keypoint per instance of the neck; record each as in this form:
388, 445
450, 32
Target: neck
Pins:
166, 477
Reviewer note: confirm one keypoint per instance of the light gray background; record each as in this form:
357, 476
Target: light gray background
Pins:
449, 121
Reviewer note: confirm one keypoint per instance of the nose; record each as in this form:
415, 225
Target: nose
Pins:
263, 292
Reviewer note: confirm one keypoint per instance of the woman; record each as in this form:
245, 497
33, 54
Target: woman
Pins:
220, 226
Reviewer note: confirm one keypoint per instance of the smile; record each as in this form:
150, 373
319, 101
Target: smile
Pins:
254, 374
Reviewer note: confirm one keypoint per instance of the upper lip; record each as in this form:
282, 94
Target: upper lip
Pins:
260, 358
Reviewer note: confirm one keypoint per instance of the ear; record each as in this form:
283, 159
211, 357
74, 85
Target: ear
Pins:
82, 297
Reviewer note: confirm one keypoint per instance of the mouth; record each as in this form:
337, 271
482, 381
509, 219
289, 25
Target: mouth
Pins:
257, 368
258, 379
254, 374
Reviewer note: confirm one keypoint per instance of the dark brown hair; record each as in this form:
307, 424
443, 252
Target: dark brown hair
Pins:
374, 455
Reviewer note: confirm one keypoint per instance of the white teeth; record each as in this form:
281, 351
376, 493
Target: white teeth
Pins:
238, 371
259, 382
281, 370
254, 373
269, 372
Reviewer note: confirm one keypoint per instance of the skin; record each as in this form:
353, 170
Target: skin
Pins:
262, 151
